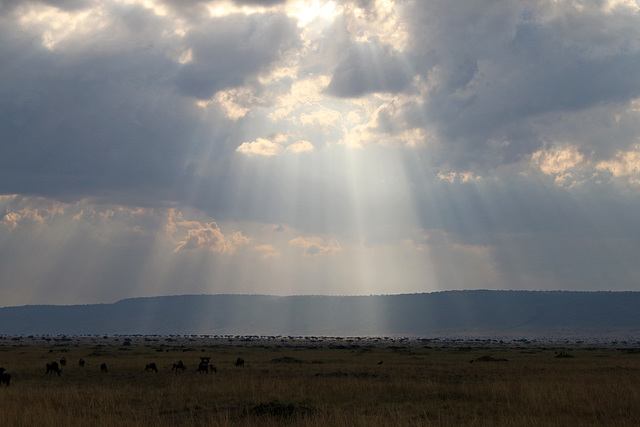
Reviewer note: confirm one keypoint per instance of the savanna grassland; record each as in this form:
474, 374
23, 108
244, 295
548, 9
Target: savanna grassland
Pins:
318, 382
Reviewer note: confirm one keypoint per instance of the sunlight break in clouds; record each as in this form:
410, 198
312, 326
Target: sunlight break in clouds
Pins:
55, 25
624, 165
560, 163
307, 11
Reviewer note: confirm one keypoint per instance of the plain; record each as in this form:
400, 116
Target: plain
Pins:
314, 381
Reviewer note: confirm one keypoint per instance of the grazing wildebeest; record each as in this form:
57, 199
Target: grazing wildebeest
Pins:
63, 361
178, 366
380, 362
5, 377
204, 364
103, 368
81, 363
151, 367
239, 362
53, 367
213, 369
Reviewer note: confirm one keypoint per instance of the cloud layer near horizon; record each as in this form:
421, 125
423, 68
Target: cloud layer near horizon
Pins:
314, 147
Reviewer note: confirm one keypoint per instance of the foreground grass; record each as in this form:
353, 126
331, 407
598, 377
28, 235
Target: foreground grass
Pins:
317, 385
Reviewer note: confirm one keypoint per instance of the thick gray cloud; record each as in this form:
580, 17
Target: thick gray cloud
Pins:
228, 51
495, 70
366, 68
115, 112
9, 5
90, 121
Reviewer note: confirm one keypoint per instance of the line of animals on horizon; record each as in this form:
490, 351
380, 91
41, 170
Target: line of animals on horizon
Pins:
54, 368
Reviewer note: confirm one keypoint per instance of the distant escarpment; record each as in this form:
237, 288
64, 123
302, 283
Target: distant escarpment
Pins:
479, 313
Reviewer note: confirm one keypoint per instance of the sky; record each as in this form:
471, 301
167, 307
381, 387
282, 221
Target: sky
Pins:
345, 147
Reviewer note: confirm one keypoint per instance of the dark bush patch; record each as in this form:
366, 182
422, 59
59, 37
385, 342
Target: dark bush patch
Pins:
364, 375
280, 410
490, 359
563, 355
286, 359
332, 374
344, 374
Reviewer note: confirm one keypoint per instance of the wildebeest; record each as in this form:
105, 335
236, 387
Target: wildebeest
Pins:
178, 366
204, 365
151, 367
53, 367
239, 362
81, 363
63, 361
5, 377
103, 368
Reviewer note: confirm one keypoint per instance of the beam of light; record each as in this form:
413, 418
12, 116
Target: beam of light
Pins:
611, 5
55, 25
226, 8
155, 6
308, 11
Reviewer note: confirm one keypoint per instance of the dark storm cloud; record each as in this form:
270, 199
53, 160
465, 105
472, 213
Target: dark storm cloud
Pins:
367, 68
68, 5
102, 114
229, 50
85, 120
496, 69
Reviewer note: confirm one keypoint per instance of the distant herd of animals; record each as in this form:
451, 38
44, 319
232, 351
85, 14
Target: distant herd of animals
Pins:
53, 367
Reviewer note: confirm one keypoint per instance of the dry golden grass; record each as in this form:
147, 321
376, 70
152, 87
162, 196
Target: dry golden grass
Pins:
296, 383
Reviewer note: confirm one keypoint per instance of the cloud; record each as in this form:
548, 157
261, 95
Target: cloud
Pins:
563, 163
196, 235
208, 236
260, 146
624, 164
230, 50
109, 109
266, 147
267, 251
496, 76
300, 147
315, 245
368, 68
260, 2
